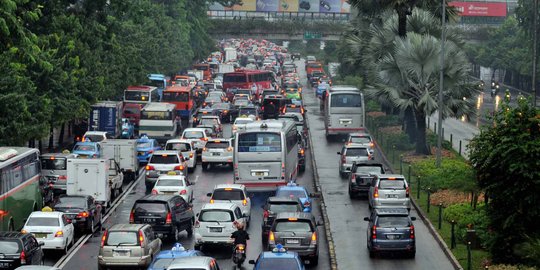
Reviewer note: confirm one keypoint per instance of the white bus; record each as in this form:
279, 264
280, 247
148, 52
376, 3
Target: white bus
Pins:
159, 121
344, 111
266, 154
141, 94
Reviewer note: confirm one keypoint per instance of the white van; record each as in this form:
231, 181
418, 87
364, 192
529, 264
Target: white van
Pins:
215, 224
344, 111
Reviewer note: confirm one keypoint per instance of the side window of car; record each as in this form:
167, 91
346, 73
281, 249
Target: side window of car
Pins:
64, 221
238, 213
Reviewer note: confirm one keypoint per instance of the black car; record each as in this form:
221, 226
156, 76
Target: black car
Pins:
272, 106
83, 211
225, 110
274, 206
361, 176
19, 249
168, 215
391, 230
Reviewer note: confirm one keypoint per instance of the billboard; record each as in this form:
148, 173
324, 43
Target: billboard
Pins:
315, 6
480, 9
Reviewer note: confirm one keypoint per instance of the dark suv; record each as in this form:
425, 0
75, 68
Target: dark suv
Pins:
168, 215
296, 232
19, 249
274, 206
361, 176
391, 230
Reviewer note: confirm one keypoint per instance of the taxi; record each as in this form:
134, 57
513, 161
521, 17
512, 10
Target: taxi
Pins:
166, 258
145, 148
87, 149
293, 93
52, 228
174, 183
293, 190
278, 258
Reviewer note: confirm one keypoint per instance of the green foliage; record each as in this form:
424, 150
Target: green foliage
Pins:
351, 80
466, 217
399, 140
510, 267
372, 106
386, 120
254, 25
506, 157
454, 173
432, 141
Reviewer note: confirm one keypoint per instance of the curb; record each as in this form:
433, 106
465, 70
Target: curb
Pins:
326, 220
426, 221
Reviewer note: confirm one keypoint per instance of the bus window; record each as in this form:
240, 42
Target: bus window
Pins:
175, 96
156, 115
259, 142
346, 100
136, 95
241, 78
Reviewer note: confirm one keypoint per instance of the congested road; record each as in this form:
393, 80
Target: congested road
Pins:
85, 258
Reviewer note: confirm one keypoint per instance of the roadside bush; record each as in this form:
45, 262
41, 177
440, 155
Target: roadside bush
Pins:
372, 106
350, 80
432, 141
465, 217
510, 267
400, 140
386, 121
454, 173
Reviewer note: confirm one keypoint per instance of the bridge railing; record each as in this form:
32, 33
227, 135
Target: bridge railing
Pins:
278, 16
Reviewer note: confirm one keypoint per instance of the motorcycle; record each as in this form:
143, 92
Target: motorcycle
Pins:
239, 255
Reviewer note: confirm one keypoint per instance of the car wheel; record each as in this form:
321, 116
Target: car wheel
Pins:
66, 247
314, 261
205, 166
101, 267
189, 229
91, 226
411, 254
197, 247
372, 254
351, 195
175, 235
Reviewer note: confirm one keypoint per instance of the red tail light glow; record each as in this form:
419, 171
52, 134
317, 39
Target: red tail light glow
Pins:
168, 219
412, 232
132, 217
376, 192
104, 238
183, 192
150, 168
374, 232
407, 192
265, 215
244, 202
62, 177
83, 214
141, 238
179, 168
353, 178
154, 191
23, 257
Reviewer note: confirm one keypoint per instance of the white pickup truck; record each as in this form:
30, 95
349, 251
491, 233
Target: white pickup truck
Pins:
99, 178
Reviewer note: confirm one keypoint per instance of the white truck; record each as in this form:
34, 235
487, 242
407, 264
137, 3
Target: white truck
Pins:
230, 54
99, 178
225, 68
199, 74
124, 152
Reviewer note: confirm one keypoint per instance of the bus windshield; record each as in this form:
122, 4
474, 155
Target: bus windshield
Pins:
156, 115
346, 100
53, 164
157, 83
237, 78
259, 142
175, 96
137, 95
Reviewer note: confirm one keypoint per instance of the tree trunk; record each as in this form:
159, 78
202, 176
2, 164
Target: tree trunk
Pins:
421, 143
402, 20
409, 124
61, 136
51, 138
40, 145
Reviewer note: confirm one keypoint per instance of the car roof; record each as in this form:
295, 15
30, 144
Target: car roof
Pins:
355, 146
243, 118
298, 215
272, 255
192, 262
95, 133
46, 214
358, 134
172, 177
175, 254
209, 116
193, 129
126, 227
178, 141
218, 140
219, 205
391, 211
282, 199
165, 152
287, 187
156, 197
58, 155
234, 186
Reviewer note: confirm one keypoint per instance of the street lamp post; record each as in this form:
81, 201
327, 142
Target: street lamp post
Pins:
535, 49
441, 86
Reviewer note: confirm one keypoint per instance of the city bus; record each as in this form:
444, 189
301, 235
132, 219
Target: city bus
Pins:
158, 80
266, 154
141, 94
244, 79
181, 97
159, 121
205, 68
20, 172
344, 110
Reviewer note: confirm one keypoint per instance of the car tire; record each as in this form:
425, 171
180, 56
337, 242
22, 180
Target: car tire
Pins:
101, 267
411, 254
174, 235
205, 166
198, 247
91, 226
351, 195
314, 261
189, 229
372, 254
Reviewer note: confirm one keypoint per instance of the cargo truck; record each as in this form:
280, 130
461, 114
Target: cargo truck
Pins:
106, 116
124, 152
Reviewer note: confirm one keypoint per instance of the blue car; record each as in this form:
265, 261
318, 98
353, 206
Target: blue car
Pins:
145, 148
321, 90
165, 258
278, 258
292, 190
87, 149
128, 129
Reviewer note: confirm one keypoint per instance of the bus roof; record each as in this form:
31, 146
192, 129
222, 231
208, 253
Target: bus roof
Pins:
159, 106
271, 125
336, 88
177, 88
10, 154
246, 71
141, 88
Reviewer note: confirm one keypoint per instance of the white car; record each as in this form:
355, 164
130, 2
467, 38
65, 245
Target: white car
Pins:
51, 228
197, 136
234, 193
217, 151
95, 136
172, 184
362, 139
215, 224
187, 150
162, 162
240, 124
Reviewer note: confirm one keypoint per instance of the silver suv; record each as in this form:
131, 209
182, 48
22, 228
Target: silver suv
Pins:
389, 191
350, 154
128, 245
162, 162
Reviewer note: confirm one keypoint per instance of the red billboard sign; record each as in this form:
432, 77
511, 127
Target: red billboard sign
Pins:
480, 9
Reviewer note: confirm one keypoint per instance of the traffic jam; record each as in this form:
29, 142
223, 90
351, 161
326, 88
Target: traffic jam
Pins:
223, 152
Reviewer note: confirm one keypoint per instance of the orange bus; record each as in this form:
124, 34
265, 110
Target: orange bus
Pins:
181, 97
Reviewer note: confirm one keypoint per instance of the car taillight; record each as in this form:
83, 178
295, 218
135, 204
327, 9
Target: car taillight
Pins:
204, 149
353, 178
103, 238
211, 200
141, 238
302, 151
132, 217
151, 151
59, 234
62, 177
244, 202
154, 191
271, 238
23, 257
168, 219
374, 232
376, 193
407, 192
229, 149
183, 192
307, 204
94, 155
411, 232
179, 168
265, 215
314, 238
371, 145
150, 168
204, 139
83, 214
343, 159
191, 155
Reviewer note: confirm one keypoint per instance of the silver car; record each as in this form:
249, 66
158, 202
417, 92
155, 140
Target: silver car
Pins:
389, 191
196, 262
350, 154
217, 151
362, 139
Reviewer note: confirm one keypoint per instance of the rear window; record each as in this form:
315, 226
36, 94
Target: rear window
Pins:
163, 263
84, 148
193, 135
43, 221
222, 194
346, 100
209, 121
353, 152
164, 159
182, 147
149, 207
292, 226
216, 215
279, 263
280, 207
144, 144
392, 221
53, 164
392, 184
245, 111
94, 138
9, 246
368, 169
122, 238
291, 193
364, 139
72, 202
293, 109
242, 121
170, 183
241, 102
215, 145
259, 142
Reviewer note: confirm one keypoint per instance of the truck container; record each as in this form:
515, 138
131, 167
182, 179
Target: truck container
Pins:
99, 178
225, 68
124, 152
106, 116
230, 54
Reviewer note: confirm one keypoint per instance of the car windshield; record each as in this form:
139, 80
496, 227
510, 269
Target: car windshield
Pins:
292, 226
226, 194
9, 247
241, 102
169, 183
150, 207
247, 111
292, 193
208, 121
144, 144
354, 152
368, 169
279, 207
122, 239
392, 221
85, 147
164, 263
392, 184
43, 221
215, 145
278, 263
242, 121
193, 135
71, 202
363, 139
164, 159
53, 164
220, 106
182, 147
93, 138
216, 215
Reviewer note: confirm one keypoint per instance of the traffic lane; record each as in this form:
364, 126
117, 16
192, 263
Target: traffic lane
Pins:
346, 216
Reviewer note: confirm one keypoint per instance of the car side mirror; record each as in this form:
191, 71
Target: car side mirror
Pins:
339, 153
251, 261
366, 218
197, 215
209, 194
413, 218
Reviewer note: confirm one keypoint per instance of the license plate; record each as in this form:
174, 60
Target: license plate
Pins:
216, 154
391, 196
392, 237
149, 220
120, 253
5, 265
168, 192
293, 241
259, 173
216, 230
40, 235
345, 121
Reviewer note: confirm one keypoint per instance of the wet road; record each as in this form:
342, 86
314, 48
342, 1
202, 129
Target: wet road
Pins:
86, 257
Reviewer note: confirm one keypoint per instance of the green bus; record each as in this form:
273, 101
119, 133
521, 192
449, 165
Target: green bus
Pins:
20, 191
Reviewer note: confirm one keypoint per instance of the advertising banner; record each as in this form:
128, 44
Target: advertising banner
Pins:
308, 5
480, 9
288, 6
247, 5
311, 6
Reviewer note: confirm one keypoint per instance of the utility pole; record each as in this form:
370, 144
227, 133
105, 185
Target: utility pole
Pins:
441, 86
535, 50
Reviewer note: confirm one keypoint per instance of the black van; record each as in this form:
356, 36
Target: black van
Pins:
167, 214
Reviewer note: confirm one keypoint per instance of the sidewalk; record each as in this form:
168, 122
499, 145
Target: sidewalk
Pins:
459, 131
